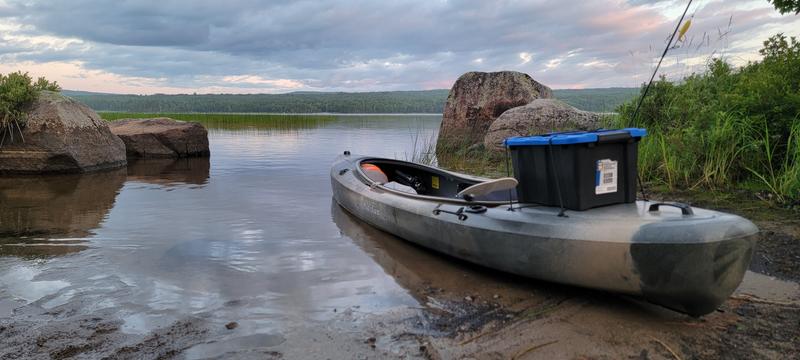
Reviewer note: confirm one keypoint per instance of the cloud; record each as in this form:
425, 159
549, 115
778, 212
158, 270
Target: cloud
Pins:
258, 80
525, 57
359, 45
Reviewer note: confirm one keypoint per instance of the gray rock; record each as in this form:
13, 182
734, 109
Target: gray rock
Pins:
61, 135
539, 117
478, 98
162, 138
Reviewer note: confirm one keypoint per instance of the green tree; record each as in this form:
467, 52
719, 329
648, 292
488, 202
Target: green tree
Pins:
786, 6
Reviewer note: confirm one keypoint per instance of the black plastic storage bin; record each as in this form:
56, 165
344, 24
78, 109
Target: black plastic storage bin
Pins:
589, 169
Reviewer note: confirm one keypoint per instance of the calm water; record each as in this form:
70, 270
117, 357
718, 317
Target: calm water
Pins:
249, 235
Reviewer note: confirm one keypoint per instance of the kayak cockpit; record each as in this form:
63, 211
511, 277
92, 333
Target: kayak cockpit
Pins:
426, 182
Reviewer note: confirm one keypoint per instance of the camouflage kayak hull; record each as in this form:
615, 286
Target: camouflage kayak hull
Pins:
689, 263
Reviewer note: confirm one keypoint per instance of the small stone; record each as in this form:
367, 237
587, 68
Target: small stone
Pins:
231, 325
495, 296
468, 298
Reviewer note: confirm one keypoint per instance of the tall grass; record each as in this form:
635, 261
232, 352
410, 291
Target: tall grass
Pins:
461, 153
234, 121
423, 148
725, 128
695, 157
782, 180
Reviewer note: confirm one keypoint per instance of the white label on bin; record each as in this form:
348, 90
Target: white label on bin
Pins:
605, 179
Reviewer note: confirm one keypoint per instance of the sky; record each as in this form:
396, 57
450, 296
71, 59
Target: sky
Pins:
251, 46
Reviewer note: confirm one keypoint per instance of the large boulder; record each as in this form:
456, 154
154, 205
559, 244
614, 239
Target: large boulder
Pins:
161, 138
478, 98
61, 135
539, 117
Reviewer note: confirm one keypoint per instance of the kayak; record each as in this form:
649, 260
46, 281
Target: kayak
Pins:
683, 258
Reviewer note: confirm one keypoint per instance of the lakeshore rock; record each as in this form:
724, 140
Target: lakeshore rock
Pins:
539, 117
162, 138
478, 98
61, 135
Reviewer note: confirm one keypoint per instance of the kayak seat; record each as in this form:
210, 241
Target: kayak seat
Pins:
423, 180
374, 173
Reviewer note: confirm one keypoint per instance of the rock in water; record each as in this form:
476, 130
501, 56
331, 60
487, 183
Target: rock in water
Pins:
539, 117
478, 98
161, 138
61, 135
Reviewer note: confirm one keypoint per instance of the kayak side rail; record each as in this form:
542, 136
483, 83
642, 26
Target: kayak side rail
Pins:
441, 199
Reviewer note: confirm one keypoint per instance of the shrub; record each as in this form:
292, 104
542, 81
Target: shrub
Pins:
726, 126
17, 91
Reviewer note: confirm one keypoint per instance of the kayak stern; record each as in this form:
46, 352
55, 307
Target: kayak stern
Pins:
685, 270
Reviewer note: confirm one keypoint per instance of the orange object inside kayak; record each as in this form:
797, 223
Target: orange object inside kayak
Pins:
374, 173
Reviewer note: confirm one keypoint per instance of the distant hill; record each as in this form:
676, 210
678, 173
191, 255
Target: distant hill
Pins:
600, 99
425, 101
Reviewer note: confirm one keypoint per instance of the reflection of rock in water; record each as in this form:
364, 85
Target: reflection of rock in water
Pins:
170, 171
33, 209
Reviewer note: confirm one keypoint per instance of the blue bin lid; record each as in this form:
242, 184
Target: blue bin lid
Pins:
567, 138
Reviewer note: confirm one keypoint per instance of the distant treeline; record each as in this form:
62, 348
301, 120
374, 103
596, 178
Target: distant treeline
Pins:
600, 100
429, 101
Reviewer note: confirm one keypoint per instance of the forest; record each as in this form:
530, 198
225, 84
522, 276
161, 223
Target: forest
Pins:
393, 102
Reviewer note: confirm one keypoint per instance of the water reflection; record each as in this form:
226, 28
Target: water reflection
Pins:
424, 273
170, 171
49, 215
243, 236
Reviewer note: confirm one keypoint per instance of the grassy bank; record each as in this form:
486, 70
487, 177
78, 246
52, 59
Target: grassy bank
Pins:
725, 131
727, 128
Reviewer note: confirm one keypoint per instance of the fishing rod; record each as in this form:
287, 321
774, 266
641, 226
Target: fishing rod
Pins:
666, 49
649, 83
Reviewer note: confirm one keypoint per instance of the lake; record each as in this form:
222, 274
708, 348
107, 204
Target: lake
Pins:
245, 255
250, 235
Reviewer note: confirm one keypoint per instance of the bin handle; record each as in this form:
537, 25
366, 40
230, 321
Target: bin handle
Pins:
685, 208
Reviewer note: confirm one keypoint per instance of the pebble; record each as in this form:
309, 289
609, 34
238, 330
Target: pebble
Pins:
468, 298
231, 325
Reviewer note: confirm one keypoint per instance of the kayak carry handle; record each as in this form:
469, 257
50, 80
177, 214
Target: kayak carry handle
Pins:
685, 208
459, 212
